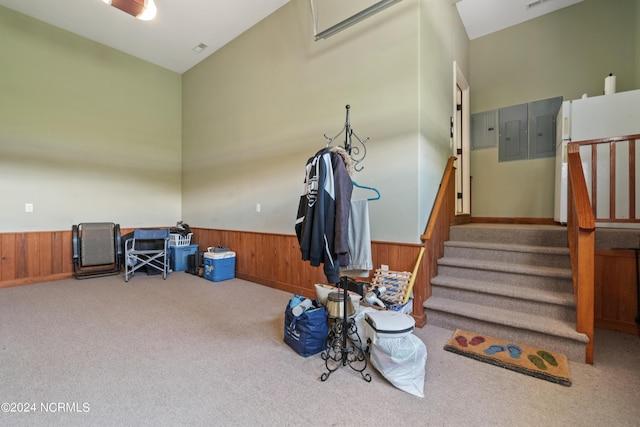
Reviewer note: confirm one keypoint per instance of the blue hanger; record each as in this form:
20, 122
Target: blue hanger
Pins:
368, 188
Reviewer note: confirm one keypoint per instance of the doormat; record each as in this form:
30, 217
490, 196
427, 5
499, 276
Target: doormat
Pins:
527, 360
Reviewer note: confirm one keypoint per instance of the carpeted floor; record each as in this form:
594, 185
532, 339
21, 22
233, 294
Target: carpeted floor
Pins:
186, 351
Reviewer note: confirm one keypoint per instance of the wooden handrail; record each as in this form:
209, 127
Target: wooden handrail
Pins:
582, 217
614, 176
436, 233
581, 205
441, 198
581, 230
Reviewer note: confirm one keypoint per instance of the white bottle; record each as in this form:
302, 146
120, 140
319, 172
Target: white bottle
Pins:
302, 307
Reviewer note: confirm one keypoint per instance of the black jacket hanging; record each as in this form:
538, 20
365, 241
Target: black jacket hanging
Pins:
321, 225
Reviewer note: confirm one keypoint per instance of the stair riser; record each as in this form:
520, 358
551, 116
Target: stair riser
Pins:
574, 350
557, 284
533, 237
555, 311
526, 258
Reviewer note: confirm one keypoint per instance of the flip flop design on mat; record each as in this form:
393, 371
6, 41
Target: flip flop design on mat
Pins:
544, 356
521, 358
462, 340
514, 350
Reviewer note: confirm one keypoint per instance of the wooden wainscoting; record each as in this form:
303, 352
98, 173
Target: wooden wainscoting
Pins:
274, 260
34, 257
615, 299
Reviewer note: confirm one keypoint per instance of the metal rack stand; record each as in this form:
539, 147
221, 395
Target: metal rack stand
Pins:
344, 346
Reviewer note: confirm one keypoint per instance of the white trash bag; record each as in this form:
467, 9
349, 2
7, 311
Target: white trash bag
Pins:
402, 362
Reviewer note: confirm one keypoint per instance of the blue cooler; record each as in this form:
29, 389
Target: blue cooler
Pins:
179, 256
219, 266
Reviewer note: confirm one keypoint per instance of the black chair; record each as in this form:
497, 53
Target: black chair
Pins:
97, 249
149, 249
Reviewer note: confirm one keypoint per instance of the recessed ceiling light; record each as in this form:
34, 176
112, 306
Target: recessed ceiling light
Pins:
199, 48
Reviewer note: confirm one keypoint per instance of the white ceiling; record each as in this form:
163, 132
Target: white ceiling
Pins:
167, 40
482, 17
180, 25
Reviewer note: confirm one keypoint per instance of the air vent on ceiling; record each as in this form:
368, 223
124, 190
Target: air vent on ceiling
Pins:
535, 3
200, 47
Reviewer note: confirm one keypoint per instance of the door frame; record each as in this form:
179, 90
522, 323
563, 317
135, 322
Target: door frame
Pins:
461, 139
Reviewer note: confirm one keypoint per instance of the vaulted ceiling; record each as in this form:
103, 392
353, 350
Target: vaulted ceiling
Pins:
168, 40
482, 17
182, 25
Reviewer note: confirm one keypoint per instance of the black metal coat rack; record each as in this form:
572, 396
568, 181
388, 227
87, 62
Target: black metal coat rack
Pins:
357, 152
344, 346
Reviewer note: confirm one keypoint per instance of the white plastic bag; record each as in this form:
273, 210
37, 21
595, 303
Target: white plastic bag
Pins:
402, 362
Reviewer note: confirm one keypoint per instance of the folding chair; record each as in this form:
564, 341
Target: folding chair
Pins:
147, 248
97, 249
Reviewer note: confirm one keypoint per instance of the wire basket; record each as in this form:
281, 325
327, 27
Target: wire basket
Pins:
179, 239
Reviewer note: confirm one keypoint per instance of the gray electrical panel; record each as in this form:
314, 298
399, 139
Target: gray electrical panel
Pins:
513, 141
528, 131
542, 127
484, 130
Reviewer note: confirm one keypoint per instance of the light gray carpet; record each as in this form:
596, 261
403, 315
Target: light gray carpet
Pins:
186, 351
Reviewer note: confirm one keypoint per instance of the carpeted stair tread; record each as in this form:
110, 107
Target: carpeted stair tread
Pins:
564, 273
533, 234
514, 319
549, 250
531, 294
509, 279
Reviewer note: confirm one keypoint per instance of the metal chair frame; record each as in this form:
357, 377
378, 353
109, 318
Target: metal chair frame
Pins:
84, 269
136, 257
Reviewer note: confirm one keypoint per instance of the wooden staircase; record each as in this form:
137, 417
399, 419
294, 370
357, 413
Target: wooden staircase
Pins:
509, 281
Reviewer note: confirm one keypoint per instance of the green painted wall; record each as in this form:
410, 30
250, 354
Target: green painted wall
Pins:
92, 134
257, 109
443, 40
566, 53
87, 133
637, 43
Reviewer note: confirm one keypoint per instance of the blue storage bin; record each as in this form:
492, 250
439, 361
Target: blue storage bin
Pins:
219, 266
179, 256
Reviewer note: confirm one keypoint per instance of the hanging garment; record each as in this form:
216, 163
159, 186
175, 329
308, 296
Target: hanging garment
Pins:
344, 189
361, 261
321, 214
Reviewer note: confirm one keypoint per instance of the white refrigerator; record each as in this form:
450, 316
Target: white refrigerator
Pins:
584, 119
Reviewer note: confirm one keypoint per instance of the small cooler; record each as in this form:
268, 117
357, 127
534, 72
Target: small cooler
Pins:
219, 266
